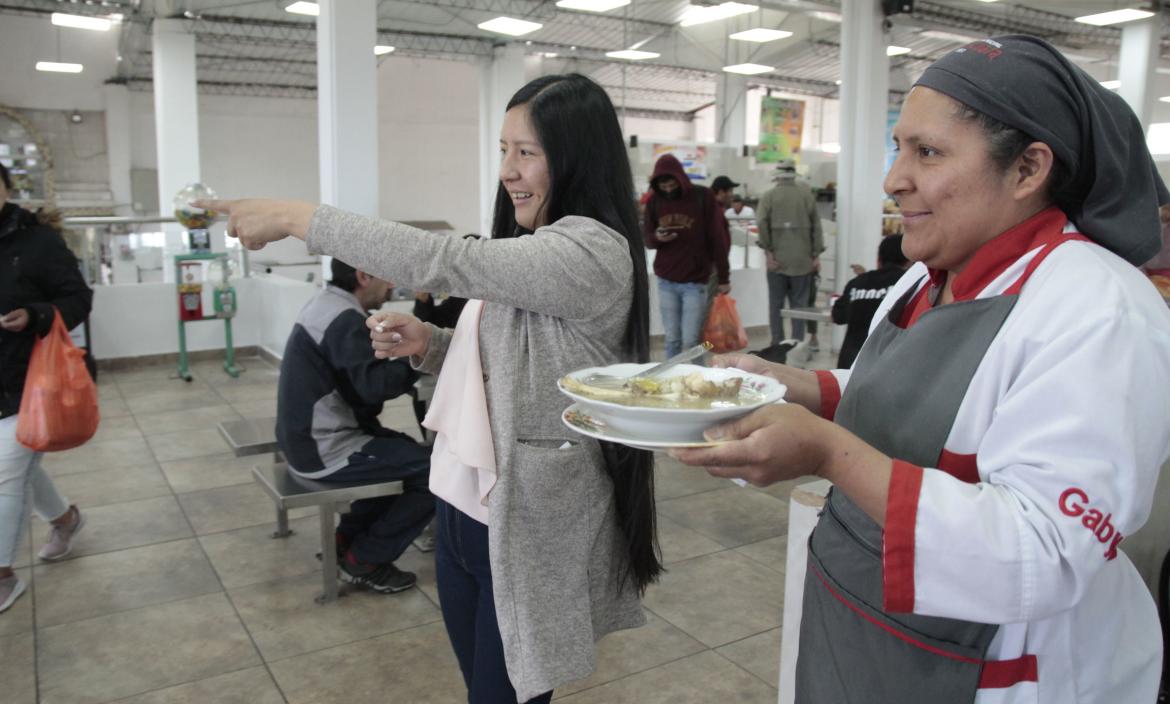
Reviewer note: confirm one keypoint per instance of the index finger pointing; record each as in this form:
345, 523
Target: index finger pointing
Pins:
219, 206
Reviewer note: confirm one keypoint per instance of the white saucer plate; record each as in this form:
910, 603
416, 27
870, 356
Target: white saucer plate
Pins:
579, 420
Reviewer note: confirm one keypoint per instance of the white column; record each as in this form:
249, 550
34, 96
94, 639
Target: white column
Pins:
1137, 63
499, 79
176, 124
731, 110
117, 102
865, 80
347, 104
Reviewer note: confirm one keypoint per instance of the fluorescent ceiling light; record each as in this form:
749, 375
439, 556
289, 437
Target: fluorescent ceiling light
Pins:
58, 67
1115, 17
1111, 85
892, 50
592, 5
304, 8
826, 16
1165, 98
549, 54
949, 36
632, 54
701, 14
760, 35
381, 49
1158, 138
96, 24
831, 147
510, 26
749, 69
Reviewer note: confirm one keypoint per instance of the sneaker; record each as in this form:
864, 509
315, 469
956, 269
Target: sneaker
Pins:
384, 579
426, 541
814, 345
60, 541
10, 588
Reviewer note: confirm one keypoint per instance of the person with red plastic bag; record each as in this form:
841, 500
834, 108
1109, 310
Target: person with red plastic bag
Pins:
38, 274
724, 329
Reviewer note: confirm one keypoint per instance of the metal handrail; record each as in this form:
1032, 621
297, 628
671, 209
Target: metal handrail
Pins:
119, 220
91, 257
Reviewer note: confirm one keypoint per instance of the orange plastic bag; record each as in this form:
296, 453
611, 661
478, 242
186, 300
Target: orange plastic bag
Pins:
59, 409
723, 329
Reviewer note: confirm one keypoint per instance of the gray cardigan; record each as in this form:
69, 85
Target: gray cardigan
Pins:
556, 301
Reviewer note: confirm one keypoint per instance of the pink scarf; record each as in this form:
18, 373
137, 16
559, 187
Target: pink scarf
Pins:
463, 459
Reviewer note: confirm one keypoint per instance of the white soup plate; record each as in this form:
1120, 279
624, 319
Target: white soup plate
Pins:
662, 427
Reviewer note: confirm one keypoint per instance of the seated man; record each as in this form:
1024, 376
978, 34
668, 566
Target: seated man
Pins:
331, 392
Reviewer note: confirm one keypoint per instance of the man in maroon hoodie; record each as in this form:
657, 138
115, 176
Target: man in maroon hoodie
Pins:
687, 228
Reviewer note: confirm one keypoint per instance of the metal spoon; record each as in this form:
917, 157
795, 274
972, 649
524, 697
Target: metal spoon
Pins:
609, 381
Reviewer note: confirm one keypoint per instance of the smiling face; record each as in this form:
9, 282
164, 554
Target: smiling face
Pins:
524, 169
953, 197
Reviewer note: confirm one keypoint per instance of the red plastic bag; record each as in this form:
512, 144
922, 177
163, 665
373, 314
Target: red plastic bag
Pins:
59, 409
723, 329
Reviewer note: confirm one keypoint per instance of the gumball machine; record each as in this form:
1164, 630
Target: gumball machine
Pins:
196, 220
190, 291
202, 266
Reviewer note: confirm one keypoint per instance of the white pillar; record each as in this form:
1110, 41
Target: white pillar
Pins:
117, 102
865, 80
731, 110
176, 124
347, 107
347, 104
499, 79
1137, 63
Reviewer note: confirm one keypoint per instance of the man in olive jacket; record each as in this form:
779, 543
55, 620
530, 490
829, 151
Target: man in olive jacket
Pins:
790, 234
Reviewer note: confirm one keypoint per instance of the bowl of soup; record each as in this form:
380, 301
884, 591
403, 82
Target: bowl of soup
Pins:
674, 407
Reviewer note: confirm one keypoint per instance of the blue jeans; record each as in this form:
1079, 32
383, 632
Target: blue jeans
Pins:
797, 290
379, 530
683, 307
464, 578
23, 486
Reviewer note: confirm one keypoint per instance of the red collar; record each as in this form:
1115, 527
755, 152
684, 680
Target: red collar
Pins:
994, 257
991, 260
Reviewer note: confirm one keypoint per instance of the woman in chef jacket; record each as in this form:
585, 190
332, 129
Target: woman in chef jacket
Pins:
1001, 431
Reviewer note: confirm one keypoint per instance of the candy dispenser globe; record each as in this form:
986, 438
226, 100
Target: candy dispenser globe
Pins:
196, 220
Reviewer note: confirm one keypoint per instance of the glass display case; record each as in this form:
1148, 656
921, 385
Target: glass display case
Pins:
27, 159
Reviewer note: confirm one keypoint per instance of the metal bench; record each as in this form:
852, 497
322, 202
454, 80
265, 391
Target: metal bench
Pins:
252, 436
289, 491
815, 314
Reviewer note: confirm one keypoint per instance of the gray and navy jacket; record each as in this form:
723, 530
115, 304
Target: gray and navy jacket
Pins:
331, 386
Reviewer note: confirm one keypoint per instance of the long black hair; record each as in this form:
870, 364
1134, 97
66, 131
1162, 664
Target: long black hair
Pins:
589, 175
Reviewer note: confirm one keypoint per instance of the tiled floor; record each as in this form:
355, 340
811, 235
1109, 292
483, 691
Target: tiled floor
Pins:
176, 593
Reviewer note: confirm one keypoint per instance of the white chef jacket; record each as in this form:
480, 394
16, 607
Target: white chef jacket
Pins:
1060, 437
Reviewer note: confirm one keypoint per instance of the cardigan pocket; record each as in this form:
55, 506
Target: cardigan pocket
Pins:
554, 487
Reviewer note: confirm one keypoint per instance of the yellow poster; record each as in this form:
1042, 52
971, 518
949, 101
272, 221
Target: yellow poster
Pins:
781, 124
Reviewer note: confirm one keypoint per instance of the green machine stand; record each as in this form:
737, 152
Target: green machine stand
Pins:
191, 307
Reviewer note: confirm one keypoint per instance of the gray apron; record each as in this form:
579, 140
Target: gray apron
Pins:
902, 398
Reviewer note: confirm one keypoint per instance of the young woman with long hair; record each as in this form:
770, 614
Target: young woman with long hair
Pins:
545, 540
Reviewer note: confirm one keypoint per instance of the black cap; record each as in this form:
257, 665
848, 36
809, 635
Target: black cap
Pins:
722, 183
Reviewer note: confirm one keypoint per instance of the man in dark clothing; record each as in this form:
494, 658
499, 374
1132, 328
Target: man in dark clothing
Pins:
687, 228
330, 394
862, 296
